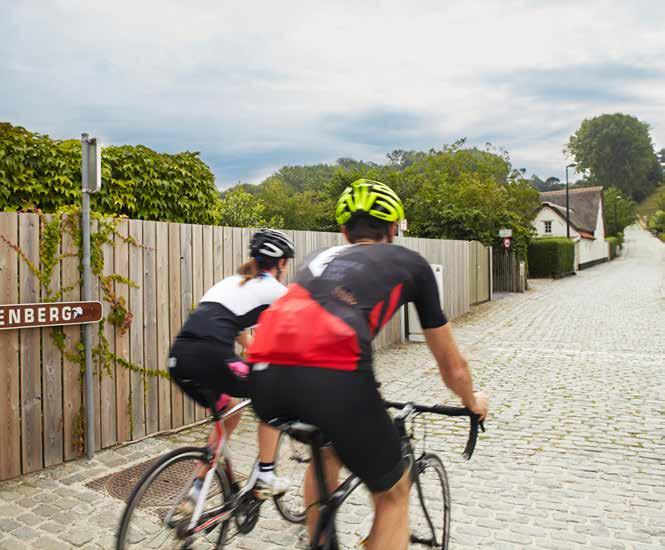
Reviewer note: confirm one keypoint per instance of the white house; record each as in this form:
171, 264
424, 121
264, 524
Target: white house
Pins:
587, 222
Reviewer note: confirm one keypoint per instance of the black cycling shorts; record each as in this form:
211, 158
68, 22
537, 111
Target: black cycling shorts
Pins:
348, 409
201, 369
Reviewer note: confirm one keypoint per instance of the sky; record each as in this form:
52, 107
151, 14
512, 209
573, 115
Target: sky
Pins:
257, 85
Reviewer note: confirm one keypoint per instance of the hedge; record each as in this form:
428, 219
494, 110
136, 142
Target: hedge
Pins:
614, 246
39, 172
551, 257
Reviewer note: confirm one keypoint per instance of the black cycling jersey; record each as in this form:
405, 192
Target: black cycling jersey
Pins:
228, 308
340, 300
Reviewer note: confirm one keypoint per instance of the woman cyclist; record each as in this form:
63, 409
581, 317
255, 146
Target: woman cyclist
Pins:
203, 361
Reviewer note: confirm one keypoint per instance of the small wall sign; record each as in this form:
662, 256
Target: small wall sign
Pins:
13, 316
503, 233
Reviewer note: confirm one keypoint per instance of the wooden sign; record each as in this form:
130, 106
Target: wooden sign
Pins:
49, 314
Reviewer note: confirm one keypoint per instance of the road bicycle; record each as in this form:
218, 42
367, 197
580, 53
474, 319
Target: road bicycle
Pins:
429, 509
154, 515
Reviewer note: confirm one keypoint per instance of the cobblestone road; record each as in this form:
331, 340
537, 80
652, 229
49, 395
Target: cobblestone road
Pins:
574, 456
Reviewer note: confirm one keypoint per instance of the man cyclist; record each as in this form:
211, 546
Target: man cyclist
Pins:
313, 355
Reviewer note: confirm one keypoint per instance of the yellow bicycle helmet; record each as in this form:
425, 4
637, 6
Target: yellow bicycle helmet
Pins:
373, 197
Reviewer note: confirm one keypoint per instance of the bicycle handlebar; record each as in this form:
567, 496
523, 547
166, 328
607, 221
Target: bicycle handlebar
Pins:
445, 410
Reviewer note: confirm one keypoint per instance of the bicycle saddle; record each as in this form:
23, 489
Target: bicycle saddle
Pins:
301, 431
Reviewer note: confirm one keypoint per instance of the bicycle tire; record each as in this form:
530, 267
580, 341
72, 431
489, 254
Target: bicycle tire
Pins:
429, 504
291, 461
162, 477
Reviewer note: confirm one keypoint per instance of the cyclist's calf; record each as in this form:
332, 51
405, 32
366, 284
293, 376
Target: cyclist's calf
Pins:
390, 530
331, 468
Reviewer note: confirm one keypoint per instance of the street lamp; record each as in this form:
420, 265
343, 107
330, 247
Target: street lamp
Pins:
573, 165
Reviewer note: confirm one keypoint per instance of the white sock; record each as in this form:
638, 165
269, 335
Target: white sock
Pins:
266, 472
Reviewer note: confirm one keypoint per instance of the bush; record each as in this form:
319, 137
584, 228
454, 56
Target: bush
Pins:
614, 246
620, 237
657, 222
39, 172
551, 257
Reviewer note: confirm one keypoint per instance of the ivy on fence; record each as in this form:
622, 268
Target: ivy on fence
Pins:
68, 220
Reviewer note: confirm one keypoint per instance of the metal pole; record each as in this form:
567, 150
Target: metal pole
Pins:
567, 207
87, 295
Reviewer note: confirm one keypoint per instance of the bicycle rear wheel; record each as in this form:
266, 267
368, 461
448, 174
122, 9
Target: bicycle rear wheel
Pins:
429, 504
291, 461
151, 518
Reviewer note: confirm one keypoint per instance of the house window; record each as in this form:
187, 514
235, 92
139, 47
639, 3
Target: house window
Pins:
548, 227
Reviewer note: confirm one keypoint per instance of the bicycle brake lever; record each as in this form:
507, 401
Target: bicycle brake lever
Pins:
482, 426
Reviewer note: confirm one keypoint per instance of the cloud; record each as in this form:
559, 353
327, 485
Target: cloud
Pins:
590, 83
258, 84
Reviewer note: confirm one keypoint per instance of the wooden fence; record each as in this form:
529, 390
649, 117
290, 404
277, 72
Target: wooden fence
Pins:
506, 273
172, 265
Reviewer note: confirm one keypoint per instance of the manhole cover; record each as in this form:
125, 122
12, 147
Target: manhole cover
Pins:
120, 484
163, 489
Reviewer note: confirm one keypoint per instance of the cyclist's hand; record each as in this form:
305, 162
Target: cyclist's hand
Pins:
480, 405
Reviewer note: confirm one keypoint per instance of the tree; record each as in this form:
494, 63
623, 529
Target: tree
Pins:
308, 210
661, 156
620, 211
461, 193
616, 150
241, 209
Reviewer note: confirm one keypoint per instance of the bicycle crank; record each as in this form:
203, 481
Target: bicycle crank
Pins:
247, 513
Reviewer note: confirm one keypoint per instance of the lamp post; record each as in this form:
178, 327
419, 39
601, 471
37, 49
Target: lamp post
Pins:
573, 165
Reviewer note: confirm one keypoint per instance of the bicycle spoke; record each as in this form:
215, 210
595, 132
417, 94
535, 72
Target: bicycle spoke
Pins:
429, 508
153, 517
291, 462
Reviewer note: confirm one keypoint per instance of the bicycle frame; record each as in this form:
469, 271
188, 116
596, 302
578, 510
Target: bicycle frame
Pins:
223, 454
330, 503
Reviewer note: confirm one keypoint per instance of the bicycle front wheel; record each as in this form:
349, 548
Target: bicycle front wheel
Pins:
429, 504
291, 462
153, 516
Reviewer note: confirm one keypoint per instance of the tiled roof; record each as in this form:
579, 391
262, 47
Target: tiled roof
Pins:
584, 205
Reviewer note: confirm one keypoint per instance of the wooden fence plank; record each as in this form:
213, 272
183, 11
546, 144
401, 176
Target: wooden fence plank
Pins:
71, 369
175, 298
31, 384
197, 285
96, 389
238, 251
227, 254
292, 266
187, 299
10, 423
207, 258
52, 379
107, 370
163, 321
136, 331
150, 348
122, 382
219, 236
